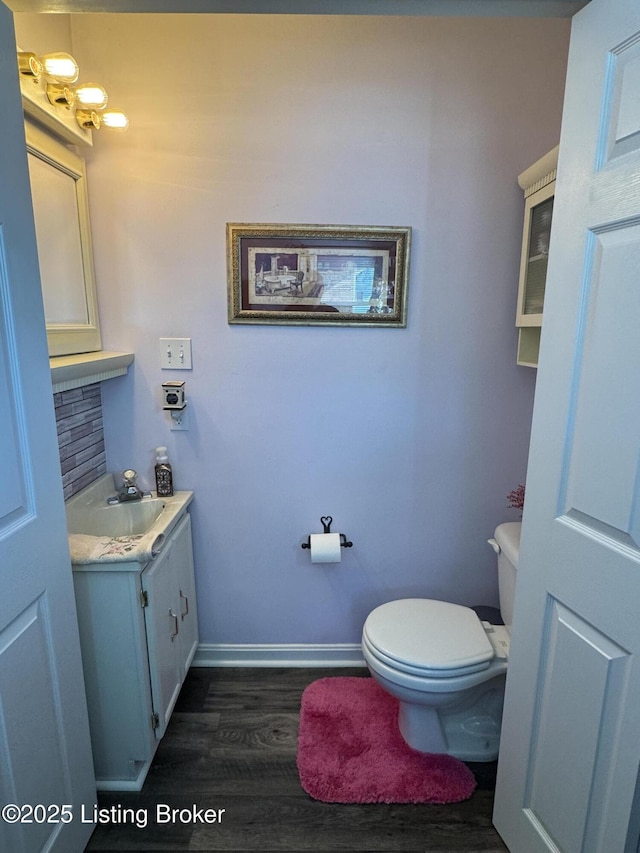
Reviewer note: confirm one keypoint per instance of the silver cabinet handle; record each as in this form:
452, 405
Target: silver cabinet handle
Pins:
174, 616
186, 604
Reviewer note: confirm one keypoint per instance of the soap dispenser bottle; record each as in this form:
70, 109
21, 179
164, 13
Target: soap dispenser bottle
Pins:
164, 474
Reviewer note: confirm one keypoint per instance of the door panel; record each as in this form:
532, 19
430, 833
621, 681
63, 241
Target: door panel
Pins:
25, 642
572, 722
16, 503
602, 453
570, 750
621, 127
45, 753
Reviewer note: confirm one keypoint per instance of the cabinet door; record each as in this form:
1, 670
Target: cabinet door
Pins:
116, 673
182, 550
162, 618
535, 256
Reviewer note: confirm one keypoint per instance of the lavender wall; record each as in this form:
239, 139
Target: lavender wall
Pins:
411, 438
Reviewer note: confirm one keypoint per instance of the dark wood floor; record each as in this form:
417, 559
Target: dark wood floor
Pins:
231, 745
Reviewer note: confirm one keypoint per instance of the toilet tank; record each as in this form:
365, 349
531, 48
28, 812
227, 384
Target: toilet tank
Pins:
507, 539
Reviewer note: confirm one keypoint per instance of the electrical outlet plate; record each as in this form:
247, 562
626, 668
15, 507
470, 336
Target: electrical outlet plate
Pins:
175, 353
180, 420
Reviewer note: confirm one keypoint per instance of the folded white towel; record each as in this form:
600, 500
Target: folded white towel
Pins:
114, 549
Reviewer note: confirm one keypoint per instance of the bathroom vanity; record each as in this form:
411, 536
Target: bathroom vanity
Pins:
135, 596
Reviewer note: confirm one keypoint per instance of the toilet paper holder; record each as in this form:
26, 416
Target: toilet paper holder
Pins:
326, 525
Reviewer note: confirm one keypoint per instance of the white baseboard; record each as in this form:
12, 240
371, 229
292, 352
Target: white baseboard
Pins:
311, 655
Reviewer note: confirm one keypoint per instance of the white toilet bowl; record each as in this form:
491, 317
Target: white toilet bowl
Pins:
446, 668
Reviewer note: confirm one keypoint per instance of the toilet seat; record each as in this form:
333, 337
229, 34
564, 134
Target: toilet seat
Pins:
428, 638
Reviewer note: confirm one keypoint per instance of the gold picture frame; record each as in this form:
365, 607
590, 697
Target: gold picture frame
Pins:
318, 275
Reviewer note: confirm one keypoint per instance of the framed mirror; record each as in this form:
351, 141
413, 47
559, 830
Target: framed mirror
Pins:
61, 213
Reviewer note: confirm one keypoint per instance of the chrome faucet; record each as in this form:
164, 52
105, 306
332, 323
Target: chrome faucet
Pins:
129, 490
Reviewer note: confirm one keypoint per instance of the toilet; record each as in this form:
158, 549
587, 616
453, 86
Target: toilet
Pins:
446, 667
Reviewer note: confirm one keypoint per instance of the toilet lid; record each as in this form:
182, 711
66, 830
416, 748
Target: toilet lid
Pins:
425, 635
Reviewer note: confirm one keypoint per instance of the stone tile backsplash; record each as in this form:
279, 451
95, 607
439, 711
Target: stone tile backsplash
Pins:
80, 437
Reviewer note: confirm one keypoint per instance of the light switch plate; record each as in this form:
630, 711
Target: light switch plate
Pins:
175, 353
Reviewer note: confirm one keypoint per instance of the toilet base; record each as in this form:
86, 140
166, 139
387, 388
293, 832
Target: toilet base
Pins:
463, 723
468, 730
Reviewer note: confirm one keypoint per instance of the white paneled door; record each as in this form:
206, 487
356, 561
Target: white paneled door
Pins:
568, 776
46, 769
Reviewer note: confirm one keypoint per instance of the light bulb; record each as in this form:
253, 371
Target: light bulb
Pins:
91, 96
60, 66
114, 119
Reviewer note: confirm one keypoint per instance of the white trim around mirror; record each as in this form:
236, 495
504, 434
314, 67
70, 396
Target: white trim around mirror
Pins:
65, 254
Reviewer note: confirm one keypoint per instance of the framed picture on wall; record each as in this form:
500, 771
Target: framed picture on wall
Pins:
329, 275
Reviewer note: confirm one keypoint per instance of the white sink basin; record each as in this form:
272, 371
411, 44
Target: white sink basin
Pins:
121, 519
90, 516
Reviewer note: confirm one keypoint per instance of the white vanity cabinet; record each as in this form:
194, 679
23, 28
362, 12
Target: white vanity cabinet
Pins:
168, 593
138, 634
538, 183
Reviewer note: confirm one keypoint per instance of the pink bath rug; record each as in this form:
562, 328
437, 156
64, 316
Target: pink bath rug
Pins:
351, 751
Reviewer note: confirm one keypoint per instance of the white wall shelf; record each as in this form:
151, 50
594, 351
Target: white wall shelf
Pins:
74, 371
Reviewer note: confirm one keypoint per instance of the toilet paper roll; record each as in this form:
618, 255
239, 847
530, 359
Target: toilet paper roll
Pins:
325, 548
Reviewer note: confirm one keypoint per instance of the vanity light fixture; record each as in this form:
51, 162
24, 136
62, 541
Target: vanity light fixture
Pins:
60, 67
55, 72
61, 95
88, 119
89, 96
94, 120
